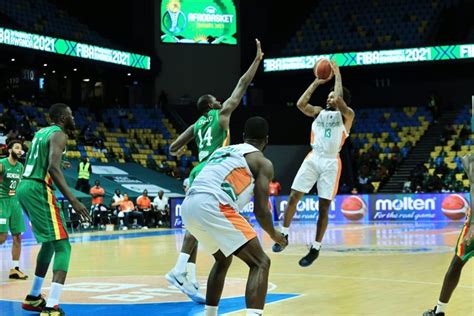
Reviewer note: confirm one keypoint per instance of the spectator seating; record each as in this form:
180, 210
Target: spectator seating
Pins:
383, 137
338, 25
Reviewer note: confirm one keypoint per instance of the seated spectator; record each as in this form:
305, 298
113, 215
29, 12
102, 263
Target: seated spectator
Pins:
354, 191
274, 187
418, 189
144, 206
128, 212
161, 208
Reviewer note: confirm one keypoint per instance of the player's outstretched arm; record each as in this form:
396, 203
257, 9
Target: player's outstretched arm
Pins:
338, 90
303, 102
57, 144
234, 100
178, 145
264, 170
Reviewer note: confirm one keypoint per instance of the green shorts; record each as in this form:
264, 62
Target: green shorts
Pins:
196, 170
464, 251
11, 216
46, 217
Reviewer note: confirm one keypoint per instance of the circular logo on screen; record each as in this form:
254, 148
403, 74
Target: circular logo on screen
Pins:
174, 20
353, 208
455, 207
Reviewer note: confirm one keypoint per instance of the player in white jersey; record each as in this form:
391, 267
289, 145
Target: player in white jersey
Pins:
231, 177
322, 165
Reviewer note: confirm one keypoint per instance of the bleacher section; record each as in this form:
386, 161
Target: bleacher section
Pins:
41, 16
138, 134
456, 142
385, 136
337, 25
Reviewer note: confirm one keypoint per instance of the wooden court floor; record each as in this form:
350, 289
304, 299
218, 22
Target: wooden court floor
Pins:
363, 269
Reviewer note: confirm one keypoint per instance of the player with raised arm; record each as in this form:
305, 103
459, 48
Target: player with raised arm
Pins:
210, 211
210, 132
35, 193
322, 165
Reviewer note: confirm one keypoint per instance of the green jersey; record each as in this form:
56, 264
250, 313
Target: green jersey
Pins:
37, 161
208, 134
9, 178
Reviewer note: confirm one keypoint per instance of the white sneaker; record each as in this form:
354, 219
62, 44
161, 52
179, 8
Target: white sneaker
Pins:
198, 297
181, 282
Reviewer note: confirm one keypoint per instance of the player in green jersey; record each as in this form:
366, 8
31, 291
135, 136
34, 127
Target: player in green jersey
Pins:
11, 215
210, 132
35, 193
464, 249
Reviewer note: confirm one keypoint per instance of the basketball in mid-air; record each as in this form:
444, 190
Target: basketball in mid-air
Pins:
322, 69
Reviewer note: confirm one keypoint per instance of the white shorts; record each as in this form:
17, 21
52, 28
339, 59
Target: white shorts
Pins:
216, 226
323, 171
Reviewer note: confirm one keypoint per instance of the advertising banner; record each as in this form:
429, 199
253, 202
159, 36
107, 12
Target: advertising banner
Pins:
344, 208
247, 211
419, 207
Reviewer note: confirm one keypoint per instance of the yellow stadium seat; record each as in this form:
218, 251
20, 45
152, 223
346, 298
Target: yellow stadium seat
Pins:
451, 165
376, 186
466, 183
121, 160
431, 171
459, 176
104, 160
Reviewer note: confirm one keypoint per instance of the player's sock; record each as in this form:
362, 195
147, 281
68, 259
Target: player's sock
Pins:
285, 230
180, 266
192, 272
211, 310
254, 312
37, 285
316, 245
54, 294
16, 264
440, 307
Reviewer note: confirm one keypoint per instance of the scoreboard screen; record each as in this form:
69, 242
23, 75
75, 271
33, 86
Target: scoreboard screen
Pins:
199, 22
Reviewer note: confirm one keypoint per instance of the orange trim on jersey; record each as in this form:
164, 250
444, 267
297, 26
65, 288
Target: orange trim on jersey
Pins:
308, 155
239, 179
59, 231
343, 140
311, 137
460, 246
336, 185
226, 140
238, 221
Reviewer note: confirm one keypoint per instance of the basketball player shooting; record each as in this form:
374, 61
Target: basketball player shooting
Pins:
322, 165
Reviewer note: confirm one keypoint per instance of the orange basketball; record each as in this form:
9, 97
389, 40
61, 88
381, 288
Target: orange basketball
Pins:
322, 69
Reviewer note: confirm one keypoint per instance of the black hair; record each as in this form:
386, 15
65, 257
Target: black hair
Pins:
203, 103
57, 110
13, 142
256, 128
346, 95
